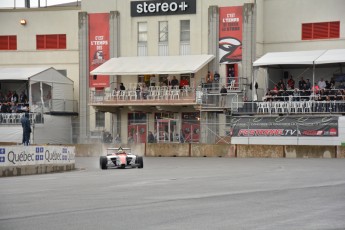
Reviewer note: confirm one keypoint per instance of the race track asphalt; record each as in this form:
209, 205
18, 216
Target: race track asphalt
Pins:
180, 193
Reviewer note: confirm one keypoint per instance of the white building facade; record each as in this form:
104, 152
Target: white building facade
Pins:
133, 29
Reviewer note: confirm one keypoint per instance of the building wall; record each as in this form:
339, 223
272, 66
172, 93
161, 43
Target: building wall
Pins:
42, 21
283, 20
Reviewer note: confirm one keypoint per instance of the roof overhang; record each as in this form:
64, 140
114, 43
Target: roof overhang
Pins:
20, 74
332, 56
289, 58
153, 65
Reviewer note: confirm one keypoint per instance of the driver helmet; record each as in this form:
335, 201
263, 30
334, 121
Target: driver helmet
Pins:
120, 150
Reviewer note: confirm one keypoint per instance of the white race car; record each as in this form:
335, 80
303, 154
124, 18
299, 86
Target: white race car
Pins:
121, 158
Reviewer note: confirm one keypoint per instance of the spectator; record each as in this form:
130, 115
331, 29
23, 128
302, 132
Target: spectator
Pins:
223, 93
150, 137
301, 83
315, 88
26, 128
14, 97
183, 82
122, 87
209, 77
308, 85
23, 98
296, 95
281, 84
321, 84
216, 77
174, 81
291, 83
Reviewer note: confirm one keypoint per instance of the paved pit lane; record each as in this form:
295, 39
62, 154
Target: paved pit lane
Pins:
180, 193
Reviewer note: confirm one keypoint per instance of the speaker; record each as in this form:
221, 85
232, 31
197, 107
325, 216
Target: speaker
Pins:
286, 74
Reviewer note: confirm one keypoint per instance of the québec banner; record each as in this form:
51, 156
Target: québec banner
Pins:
230, 34
98, 47
36, 155
284, 126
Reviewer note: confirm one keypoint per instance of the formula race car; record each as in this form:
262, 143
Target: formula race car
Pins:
120, 158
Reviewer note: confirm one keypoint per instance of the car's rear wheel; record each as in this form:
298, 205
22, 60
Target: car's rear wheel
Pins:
103, 162
140, 162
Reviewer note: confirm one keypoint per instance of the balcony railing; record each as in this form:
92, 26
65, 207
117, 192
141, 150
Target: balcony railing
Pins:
153, 95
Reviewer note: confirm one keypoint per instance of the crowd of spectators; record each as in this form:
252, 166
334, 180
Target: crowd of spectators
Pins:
323, 90
13, 103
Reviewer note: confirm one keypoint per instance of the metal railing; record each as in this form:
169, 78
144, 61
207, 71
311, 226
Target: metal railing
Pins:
20, 4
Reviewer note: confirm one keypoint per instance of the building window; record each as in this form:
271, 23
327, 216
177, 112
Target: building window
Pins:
163, 31
8, 42
320, 30
100, 119
185, 30
51, 41
142, 32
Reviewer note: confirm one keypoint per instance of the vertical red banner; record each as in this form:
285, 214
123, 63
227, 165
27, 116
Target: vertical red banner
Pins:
230, 34
98, 47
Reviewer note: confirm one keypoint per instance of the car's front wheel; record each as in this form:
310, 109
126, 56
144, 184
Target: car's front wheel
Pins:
103, 162
140, 162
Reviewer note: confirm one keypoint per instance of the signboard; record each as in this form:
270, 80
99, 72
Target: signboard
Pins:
284, 126
98, 47
230, 34
155, 8
35, 155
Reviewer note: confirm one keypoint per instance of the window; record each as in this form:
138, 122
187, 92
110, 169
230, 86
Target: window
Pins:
100, 119
142, 32
163, 31
8, 42
320, 30
51, 41
185, 31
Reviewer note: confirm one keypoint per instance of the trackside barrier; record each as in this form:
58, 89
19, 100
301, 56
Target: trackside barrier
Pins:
218, 150
26, 160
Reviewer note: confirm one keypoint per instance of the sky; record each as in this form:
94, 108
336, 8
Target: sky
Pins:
33, 3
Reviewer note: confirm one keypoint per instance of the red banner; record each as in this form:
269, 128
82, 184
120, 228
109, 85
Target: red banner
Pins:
98, 47
230, 34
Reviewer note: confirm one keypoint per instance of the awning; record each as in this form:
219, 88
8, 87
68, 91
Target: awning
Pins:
19, 74
332, 56
289, 58
153, 65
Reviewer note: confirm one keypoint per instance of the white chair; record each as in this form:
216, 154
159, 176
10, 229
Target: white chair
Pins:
166, 94
175, 94
308, 106
132, 95
113, 94
123, 95
151, 95
274, 106
263, 107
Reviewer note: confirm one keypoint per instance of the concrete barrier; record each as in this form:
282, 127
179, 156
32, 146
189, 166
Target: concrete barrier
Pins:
99, 149
340, 151
34, 169
219, 150
204, 150
167, 150
25, 160
310, 151
260, 151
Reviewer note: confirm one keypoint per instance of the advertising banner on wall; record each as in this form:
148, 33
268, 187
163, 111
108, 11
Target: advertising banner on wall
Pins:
36, 155
230, 34
284, 126
98, 47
